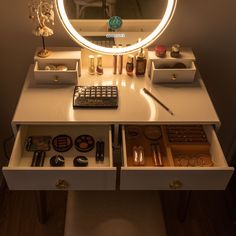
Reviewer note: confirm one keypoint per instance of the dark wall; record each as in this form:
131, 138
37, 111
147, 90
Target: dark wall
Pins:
206, 26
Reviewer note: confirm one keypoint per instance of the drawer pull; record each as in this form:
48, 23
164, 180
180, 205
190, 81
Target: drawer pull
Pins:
62, 184
56, 80
176, 184
174, 77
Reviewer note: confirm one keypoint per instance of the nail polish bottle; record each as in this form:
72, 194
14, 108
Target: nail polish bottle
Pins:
91, 69
99, 65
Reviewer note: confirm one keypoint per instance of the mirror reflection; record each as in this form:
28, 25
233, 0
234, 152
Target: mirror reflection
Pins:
91, 19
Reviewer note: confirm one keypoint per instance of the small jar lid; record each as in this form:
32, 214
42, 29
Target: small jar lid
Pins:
175, 48
130, 59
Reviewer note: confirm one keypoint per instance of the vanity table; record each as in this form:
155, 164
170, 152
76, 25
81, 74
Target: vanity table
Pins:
47, 110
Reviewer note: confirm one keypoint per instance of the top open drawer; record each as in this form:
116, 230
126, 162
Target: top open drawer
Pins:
196, 166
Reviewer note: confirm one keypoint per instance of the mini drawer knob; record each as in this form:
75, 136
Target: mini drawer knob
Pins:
56, 79
62, 184
176, 184
174, 77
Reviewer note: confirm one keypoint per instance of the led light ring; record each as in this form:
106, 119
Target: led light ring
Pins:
111, 51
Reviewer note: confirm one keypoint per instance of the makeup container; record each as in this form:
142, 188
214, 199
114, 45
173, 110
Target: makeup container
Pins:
175, 51
130, 65
160, 51
141, 63
99, 65
91, 69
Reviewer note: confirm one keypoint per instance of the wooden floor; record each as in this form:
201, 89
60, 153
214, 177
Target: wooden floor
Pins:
207, 215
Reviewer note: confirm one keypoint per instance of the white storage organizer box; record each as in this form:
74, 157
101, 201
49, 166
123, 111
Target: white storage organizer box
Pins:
162, 70
71, 59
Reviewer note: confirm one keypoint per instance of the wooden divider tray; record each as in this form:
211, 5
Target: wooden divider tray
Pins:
185, 153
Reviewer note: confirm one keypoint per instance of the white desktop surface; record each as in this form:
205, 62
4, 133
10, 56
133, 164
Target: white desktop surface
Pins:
190, 103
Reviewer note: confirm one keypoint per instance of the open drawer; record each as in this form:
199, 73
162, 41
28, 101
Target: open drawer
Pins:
215, 176
96, 176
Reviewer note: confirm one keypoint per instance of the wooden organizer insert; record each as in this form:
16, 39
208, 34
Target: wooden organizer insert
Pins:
170, 151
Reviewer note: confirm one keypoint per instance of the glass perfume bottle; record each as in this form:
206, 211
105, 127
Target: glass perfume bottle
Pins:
141, 63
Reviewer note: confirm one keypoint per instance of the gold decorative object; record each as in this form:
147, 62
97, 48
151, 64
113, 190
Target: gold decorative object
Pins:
42, 12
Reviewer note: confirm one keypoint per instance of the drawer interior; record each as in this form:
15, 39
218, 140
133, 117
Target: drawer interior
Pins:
173, 65
22, 158
72, 65
185, 146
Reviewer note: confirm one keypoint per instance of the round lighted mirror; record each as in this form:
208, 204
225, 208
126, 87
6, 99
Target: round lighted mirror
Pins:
102, 25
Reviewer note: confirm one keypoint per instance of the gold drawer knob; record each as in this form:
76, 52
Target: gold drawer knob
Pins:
62, 184
56, 80
174, 77
176, 184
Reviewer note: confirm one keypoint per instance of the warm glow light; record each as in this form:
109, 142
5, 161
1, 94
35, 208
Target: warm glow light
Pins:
144, 43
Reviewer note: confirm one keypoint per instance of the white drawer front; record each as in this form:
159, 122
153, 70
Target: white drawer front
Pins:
96, 176
60, 179
57, 77
179, 178
173, 75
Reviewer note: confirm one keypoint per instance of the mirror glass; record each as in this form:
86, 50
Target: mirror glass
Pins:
115, 26
139, 18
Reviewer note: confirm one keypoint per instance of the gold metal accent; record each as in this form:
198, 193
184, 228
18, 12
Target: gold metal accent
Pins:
44, 53
56, 80
174, 77
62, 184
176, 184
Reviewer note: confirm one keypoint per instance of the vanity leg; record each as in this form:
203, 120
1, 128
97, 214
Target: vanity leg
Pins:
185, 197
41, 201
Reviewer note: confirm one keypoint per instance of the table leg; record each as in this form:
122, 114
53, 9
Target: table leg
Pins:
185, 197
41, 201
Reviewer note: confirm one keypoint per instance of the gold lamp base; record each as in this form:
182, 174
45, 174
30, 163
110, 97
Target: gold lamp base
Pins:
44, 53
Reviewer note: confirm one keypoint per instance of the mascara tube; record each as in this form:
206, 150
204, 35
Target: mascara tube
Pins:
120, 67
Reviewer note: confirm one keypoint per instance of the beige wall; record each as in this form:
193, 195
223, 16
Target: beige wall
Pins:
207, 26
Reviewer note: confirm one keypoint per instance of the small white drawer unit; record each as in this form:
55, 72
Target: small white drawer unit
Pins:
172, 70
60, 57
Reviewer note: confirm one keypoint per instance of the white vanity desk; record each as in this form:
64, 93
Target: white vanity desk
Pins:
48, 107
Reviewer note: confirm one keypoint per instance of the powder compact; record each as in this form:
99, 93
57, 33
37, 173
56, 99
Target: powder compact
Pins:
62, 143
84, 143
152, 132
57, 160
80, 161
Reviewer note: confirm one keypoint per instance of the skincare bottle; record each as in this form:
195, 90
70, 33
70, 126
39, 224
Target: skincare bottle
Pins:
99, 65
91, 69
120, 65
130, 65
141, 62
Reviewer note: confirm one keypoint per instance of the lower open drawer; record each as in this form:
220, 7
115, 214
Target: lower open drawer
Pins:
96, 176
172, 177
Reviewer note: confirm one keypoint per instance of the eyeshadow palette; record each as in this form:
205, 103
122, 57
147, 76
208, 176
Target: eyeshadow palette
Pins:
84, 143
62, 143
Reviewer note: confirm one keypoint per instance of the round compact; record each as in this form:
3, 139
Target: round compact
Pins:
57, 160
133, 131
152, 132
81, 161
84, 143
62, 143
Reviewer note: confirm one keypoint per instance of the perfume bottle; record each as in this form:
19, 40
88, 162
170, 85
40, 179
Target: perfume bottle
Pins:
91, 69
99, 65
130, 65
141, 63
